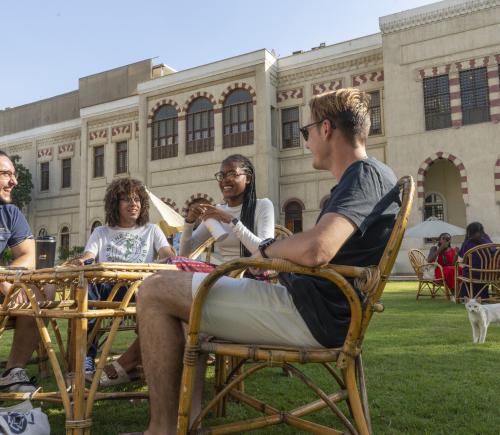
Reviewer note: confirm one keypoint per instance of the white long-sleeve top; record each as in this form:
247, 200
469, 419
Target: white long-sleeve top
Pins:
229, 248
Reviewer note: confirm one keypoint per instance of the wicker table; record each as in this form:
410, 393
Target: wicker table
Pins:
75, 307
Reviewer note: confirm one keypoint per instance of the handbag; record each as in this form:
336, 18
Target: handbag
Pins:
23, 419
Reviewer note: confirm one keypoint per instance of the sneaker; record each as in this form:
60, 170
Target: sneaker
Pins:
89, 366
16, 380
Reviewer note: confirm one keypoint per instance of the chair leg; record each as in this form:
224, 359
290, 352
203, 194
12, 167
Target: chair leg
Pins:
354, 399
363, 392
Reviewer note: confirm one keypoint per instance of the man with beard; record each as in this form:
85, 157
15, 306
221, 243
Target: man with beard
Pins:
15, 234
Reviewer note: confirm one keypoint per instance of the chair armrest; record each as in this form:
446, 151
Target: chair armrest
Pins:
329, 272
200, 249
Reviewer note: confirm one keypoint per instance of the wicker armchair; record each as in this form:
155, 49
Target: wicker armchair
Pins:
349, 374
426, 275
480, 277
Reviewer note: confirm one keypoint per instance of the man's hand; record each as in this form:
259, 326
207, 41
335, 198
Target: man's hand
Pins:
21, 297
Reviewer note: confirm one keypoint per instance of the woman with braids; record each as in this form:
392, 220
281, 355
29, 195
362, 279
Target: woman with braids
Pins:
247, 220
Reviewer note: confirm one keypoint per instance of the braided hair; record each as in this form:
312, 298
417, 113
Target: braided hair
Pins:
247, 216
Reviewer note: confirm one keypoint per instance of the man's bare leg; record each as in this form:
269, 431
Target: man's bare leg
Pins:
26, 336
163, 302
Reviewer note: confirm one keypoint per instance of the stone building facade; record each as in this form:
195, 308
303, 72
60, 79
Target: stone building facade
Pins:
433, 74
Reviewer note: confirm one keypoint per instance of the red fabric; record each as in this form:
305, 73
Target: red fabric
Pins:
445, 259
188, 265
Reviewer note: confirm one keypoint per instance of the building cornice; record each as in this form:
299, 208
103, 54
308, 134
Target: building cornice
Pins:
115, 119
205, 71
46, 130
326, 69
432, 13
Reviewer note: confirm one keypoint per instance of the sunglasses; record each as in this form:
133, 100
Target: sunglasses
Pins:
305, 130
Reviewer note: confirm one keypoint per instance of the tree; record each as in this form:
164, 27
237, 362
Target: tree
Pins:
21, 195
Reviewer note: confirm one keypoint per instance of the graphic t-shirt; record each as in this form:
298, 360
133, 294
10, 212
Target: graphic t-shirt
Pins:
126, 245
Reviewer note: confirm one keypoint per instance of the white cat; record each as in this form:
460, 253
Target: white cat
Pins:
480, 317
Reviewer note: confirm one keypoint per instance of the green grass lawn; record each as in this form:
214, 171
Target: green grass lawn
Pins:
424, 376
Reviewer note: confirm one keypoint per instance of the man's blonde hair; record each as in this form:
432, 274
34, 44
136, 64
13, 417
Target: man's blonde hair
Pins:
347, 108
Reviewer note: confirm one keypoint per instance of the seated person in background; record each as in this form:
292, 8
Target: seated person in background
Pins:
474, 236
15, 234
127, 237
446, 256
247, 220
353, 229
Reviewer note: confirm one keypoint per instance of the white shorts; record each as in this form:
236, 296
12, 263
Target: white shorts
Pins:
250, 311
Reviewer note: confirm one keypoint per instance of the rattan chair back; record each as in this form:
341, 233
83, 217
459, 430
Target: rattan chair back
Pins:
481, 270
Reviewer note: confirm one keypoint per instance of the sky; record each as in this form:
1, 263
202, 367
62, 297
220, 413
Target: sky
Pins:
46, 46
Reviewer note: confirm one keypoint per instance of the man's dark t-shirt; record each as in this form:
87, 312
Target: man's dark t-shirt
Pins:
368, 196
14, 228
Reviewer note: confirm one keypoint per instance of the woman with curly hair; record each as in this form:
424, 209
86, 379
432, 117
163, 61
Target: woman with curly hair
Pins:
127, 237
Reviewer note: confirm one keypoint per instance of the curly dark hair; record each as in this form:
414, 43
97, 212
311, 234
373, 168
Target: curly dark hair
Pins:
124, 187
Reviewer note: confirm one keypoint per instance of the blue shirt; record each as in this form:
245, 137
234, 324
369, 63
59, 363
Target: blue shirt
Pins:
14, 228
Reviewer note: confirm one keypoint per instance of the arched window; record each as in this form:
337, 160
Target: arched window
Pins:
293, 216
200, 126
42, 232
164, 133
434, 205
65, 239
94, 226
238, 119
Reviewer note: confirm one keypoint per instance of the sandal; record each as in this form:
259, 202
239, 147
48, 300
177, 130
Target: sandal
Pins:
122, 376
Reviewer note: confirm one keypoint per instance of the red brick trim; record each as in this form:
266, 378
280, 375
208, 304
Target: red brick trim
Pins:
170, 202
429, 161
235, 86
193, 97
160, 103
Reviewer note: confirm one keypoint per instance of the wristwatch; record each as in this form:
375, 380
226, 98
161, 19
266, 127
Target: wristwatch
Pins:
235, 221
264, 245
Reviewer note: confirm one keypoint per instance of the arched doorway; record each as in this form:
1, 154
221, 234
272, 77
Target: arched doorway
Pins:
443, 195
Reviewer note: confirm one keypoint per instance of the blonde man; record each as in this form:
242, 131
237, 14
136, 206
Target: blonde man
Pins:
352, 228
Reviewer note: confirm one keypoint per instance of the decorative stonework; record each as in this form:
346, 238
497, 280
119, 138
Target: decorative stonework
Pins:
290, 77
65, 151
44, 155
98, 136
157, 105
17, 148
193, 198
235, 86
290, 200
121, 132
489, 61
289, 94
113, 120
58, 139
424, 167
332, 85
497, 180
494, 89
370, 77
193, 97
412, 18
171, 203
136, 128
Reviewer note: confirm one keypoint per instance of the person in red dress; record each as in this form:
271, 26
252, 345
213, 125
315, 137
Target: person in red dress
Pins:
446, 256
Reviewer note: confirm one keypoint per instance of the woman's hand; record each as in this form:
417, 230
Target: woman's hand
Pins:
195, 212
212, 212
